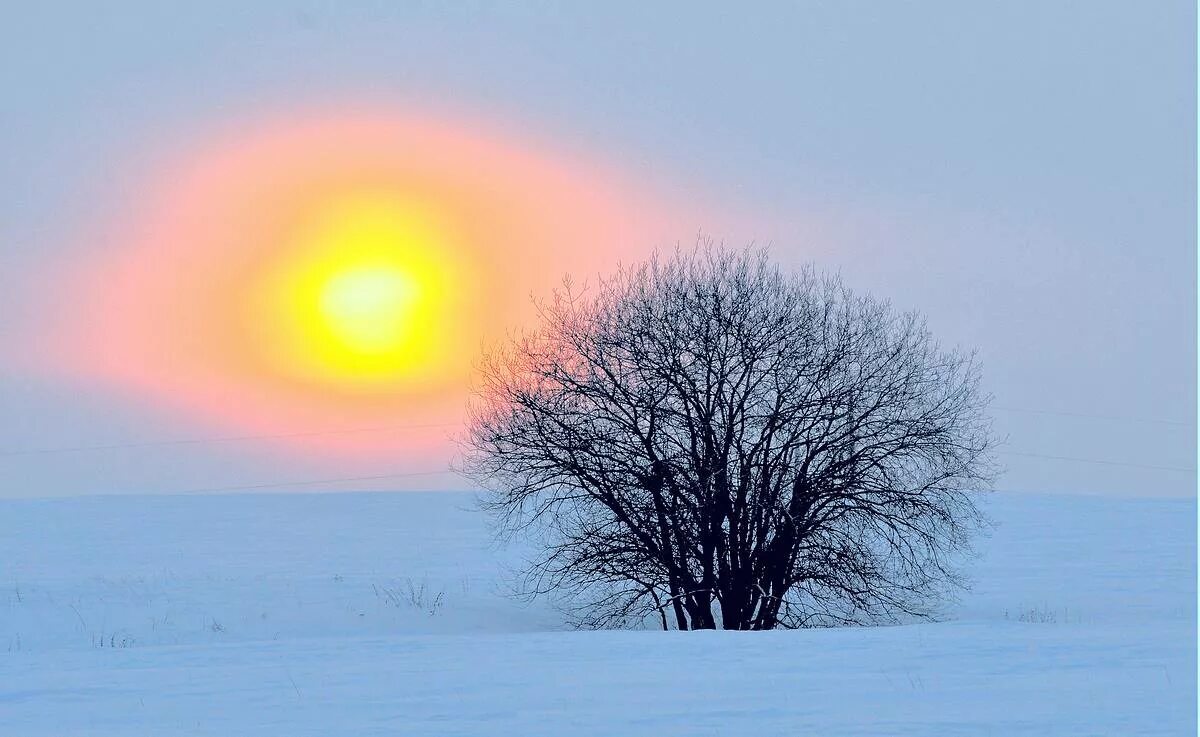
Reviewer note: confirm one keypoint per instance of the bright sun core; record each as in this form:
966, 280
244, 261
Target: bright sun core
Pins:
368, 308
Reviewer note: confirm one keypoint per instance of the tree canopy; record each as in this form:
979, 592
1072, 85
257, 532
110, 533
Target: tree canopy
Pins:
710, 441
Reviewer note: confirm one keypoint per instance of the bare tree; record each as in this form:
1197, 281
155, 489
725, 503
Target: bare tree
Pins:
712, 442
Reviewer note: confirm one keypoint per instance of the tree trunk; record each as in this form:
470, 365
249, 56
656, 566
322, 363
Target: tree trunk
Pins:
700, 612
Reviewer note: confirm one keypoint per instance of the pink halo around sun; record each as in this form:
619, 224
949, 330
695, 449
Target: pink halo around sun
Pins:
338, 271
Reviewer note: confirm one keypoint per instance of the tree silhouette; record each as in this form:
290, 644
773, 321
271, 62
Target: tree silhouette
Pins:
712, 442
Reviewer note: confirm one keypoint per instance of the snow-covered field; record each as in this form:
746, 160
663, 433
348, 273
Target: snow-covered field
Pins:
365, 614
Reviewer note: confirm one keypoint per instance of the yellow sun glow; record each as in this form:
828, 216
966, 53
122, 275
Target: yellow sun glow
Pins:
367, 296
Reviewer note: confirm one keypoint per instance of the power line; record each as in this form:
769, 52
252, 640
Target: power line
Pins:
415, 474
379, 477
389, 428
1097, 461
1084, 415
225, 439
310, 482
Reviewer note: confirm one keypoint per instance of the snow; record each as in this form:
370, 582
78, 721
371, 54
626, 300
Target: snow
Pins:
384, 614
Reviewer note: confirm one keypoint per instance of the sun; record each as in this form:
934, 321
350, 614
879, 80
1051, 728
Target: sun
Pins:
365, 294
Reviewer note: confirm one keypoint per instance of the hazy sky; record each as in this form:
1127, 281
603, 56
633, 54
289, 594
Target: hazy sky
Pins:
1023, 173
